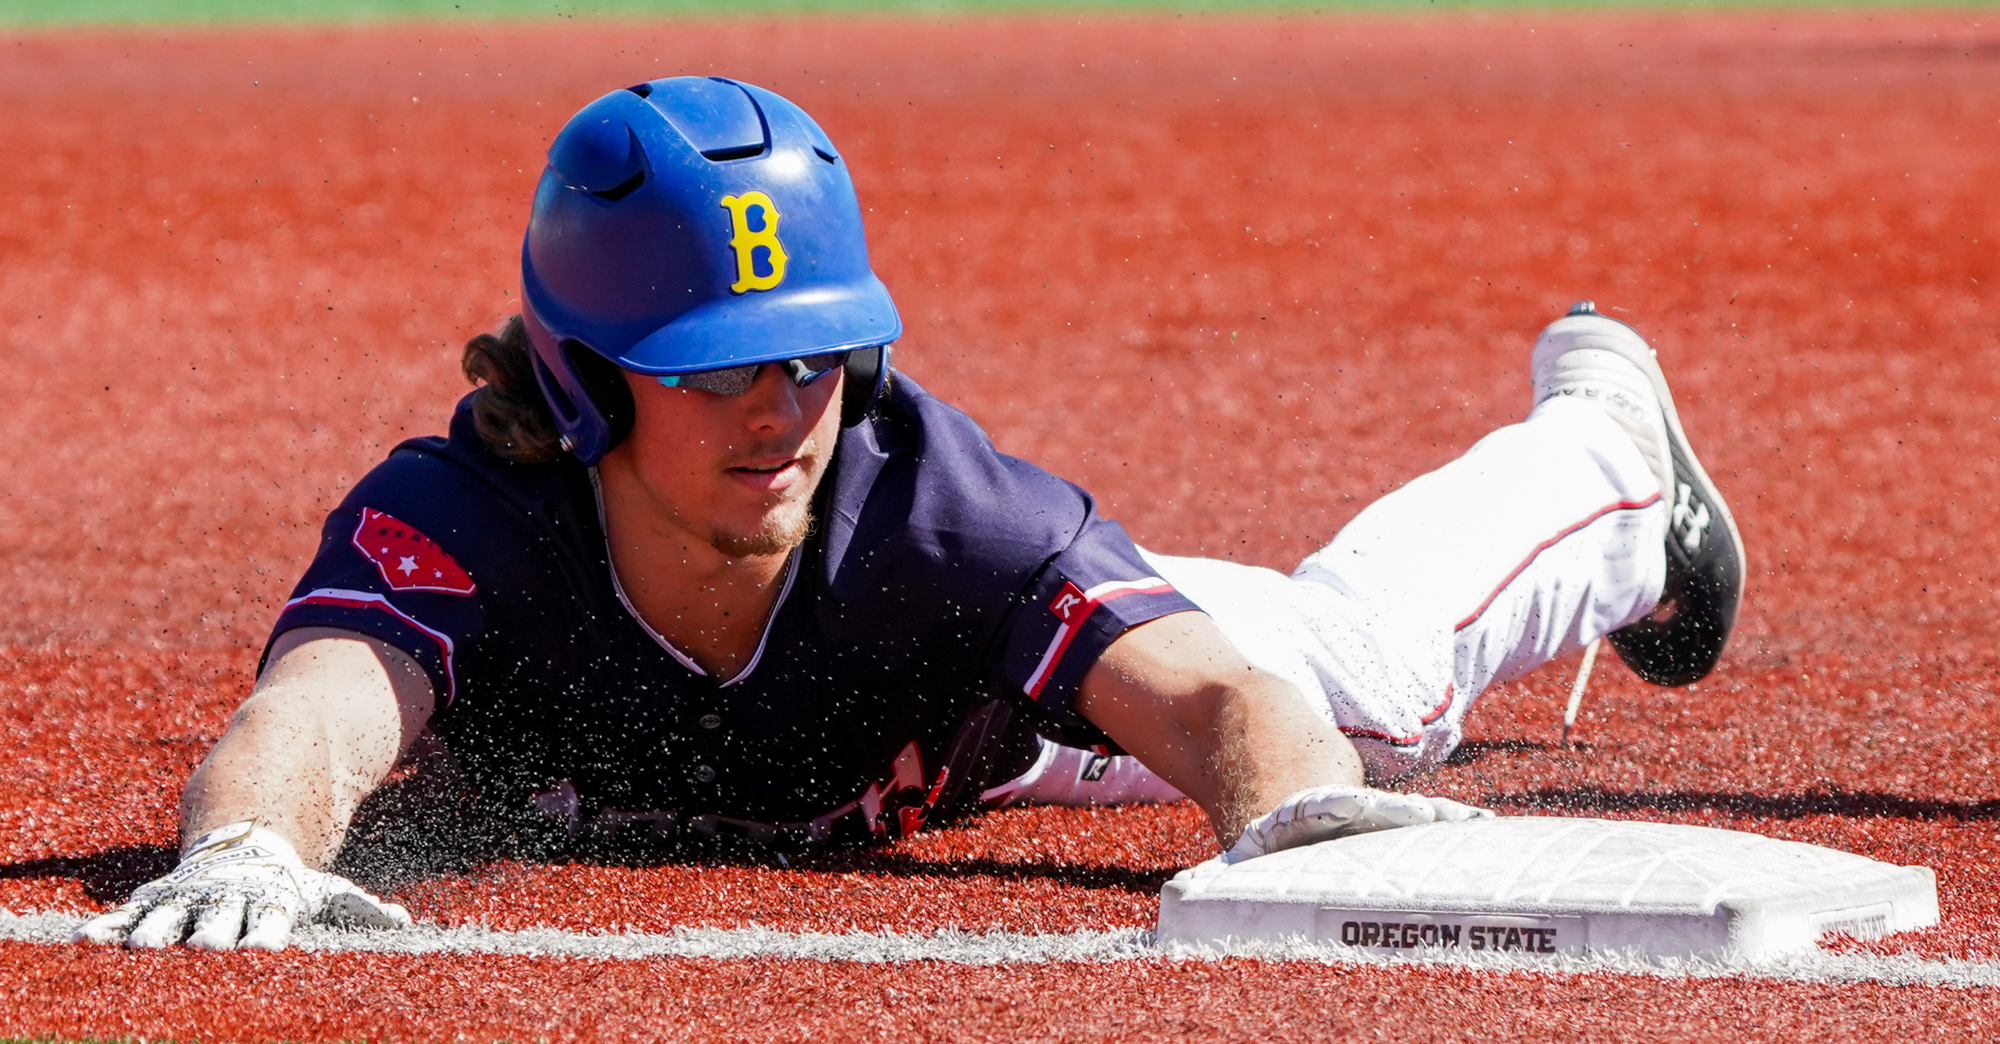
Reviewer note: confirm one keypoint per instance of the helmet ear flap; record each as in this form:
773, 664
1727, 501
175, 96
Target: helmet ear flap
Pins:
864, 376
605, 384
587, 399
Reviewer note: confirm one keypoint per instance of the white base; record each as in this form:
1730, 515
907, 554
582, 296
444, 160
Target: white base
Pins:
1538, 885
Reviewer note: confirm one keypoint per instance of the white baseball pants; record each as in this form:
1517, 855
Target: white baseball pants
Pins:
1545, 535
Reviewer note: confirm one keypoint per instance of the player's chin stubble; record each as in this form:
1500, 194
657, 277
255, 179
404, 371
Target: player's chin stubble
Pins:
784, 528
778, 534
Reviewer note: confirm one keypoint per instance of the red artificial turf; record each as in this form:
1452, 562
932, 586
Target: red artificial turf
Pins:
356, 997
1235, 276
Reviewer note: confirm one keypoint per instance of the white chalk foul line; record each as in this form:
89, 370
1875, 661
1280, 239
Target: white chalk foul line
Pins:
953, 946
950, 946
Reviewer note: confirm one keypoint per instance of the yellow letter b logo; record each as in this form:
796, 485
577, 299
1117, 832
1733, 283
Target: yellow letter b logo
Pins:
760, 258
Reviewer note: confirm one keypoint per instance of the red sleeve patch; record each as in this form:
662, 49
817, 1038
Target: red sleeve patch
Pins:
1067, 601
407, 559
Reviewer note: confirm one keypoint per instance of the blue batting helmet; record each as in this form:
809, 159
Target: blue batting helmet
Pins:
690, 224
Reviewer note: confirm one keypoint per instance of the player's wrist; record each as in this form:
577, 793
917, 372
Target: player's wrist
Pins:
243, 839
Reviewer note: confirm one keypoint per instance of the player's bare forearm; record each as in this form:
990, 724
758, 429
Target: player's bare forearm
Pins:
326, 723
1237, 739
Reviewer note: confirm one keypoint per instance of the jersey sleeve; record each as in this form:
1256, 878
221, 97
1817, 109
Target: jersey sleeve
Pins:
938, 545
1088, 595
388, 567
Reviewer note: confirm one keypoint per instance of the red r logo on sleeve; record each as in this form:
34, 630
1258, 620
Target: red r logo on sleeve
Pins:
1067, 602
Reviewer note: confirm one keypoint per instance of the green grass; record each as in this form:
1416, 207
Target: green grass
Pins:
75, 12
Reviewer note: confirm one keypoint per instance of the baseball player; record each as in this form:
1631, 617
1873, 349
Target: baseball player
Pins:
694, 559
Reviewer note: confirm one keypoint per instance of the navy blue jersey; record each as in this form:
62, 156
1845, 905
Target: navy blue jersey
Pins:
946, 591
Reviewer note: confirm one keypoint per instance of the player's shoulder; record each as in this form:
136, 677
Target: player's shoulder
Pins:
927, 472
454, 490
460, 464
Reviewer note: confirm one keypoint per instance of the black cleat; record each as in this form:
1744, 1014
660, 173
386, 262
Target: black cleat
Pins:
1681, 640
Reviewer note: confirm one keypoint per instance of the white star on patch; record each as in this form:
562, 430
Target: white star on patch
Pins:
408, 565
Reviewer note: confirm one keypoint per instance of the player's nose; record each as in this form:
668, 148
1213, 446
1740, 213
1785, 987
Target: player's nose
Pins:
774, 403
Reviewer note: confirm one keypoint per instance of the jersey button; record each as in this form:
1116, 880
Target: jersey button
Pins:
704, 774
711, 721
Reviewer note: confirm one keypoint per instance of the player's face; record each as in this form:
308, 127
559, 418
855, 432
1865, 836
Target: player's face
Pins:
734, 471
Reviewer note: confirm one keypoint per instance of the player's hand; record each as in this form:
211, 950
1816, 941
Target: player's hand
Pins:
239, 886
1324, 813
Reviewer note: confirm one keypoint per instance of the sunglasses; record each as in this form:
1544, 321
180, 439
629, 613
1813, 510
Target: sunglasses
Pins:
736, 380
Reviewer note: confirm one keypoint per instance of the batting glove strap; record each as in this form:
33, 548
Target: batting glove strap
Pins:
1324, 813
238, 886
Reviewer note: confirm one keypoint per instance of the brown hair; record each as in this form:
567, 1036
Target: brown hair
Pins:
507, 408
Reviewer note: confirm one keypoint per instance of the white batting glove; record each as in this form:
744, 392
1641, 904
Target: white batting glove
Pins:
1324, 813
242, 886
